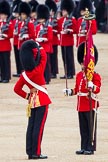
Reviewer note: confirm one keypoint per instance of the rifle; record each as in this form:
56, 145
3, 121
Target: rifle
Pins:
24, 29
16, 27
35, 23
44, 30
68, 22
53, 23
5, 27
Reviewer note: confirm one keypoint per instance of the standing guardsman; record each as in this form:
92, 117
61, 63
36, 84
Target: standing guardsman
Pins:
16, 22
54, 23
67, 27
33, 4
6, 32
82, 27
83, 104
26, 27
87, 86
33, 58
44, 35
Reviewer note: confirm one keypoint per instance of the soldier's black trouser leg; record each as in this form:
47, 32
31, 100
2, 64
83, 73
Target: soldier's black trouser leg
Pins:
35, 130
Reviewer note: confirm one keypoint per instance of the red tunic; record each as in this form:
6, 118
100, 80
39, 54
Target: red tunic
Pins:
5, 44
49, 35
16, 23
82, 25
30, 31
67, 39
81, 87
55, 29
36, 76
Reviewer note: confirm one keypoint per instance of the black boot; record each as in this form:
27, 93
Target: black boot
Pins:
80, 152
39, 157
88, 152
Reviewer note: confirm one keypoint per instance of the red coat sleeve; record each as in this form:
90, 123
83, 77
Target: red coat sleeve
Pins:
10, 31
50, 34
18, 88
43, 59
97, 83
94, 27
31, 31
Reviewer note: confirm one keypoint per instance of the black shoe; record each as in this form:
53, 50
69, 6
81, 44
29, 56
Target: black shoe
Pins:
69, 77
29, 157
39, 157
53, 76
88, 152
47, 82
80, 152
16, 75
5, 81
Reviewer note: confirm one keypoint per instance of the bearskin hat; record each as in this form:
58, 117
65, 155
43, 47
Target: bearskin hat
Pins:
67, 5
16, 5
5, 8
51, 4
33, 4
80, 53
83, 4
29, 54
42, 12
24, 7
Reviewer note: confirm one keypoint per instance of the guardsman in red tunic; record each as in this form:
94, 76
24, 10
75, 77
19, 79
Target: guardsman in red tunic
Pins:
6, 32
67, 27
54, 23
82, 27
16, 22
44, 35
81, 89
26, 27
33, 58
33, 4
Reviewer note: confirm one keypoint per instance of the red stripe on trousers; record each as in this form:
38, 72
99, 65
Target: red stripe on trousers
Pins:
41, 132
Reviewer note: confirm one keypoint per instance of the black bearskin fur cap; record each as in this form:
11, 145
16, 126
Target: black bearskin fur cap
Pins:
83, 4
42, 12
33, 4
80, 53
24, 7
29, 62
5, 8
16, 5
51, 4
67, 5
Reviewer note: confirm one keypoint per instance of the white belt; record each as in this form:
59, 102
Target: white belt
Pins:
81, 35
82, 94
94, 96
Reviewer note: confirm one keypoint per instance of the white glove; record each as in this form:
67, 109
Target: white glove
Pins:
25, 36
68, 30
83, 31
67, 92
63, 32
41, 39
90, 84
3, 35
55, 31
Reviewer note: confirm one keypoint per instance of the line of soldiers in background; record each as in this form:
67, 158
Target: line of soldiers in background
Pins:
42, 23
100, 8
